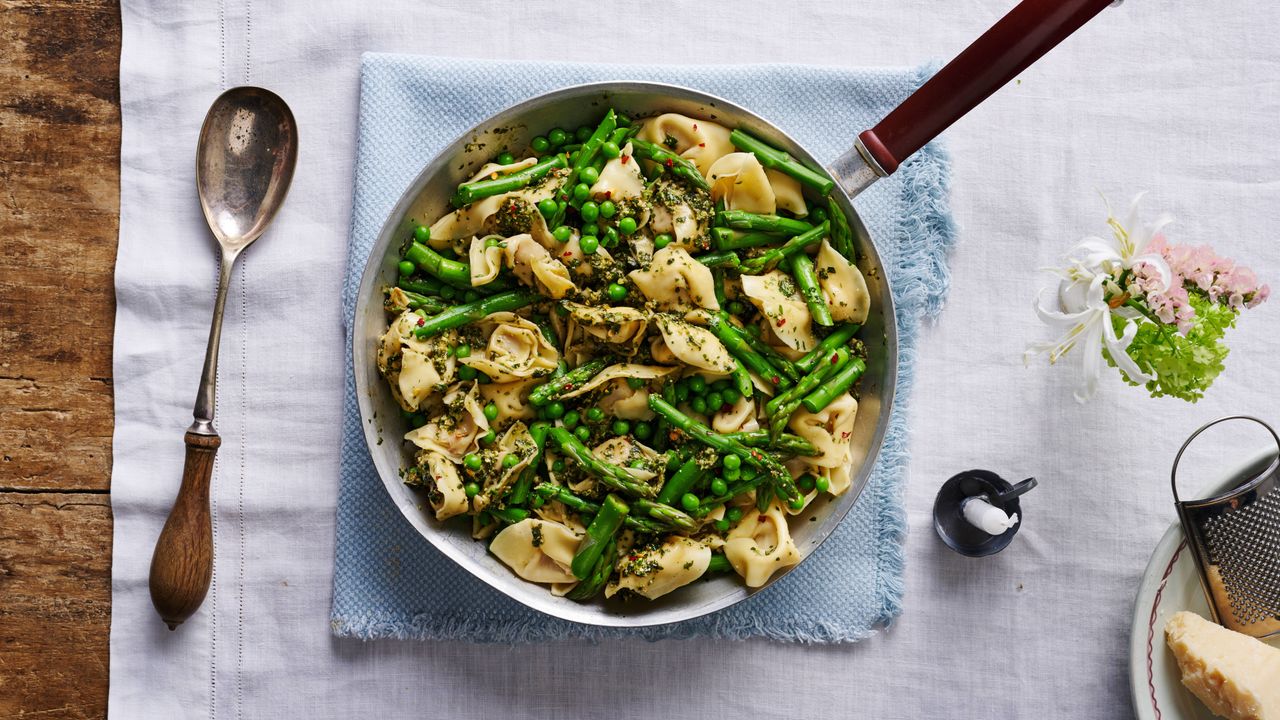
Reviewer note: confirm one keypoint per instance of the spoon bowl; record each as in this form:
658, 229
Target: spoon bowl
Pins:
244, 163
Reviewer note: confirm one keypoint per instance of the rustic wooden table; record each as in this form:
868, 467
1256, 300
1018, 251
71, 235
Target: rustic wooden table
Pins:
60, 173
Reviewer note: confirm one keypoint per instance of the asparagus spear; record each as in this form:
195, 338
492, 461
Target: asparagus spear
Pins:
839, 384
704, 435
791, 400
586, 156
771, 157
680, 483
729, 239
743, 220
422, 286
742, 379
745, 485
841, 234
509, 515
773, 256
470, 192
717, 285
782, 364
418, 301
675, 164
607, 473
603, 528
718, 564
665, 513
520, 490
723, 258
599, 575
786, 442
838, 338
549, 492
460, 315
737, 346
453, 272
807, 280
549, 391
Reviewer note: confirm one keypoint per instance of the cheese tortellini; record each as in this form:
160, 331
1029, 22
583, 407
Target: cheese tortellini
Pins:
595, 350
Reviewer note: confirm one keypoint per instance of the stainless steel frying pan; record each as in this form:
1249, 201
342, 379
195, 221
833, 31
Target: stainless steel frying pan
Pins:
1021, 37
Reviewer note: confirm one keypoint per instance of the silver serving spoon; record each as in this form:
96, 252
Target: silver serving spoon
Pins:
244, 162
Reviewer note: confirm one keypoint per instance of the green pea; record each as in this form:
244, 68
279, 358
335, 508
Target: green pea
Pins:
482, 378
562, 233
557, 137
472, 461
491, 412
698, 385
555, 410
462, 351
493, 242
699, 405
581, 192
540, 144
627, 225
422, 233
722, 525
406, 268
689, 502
506, 158
589, 211
642, 431
736, 308
796, 504
662, 241
608, 209
589, 175
732, 474
583, 134
719, 487
610, 237
620, 427
595, 415
571, 419
682, 391
573, 157
635, 383
471, 489
753, 330
721, 385
731, 462
805, 482
616, 292
588, 244
583, 433
448, 292
610, 149
557, 466
590, 228
817, 216
466, 373
822, 484
510, 460
733, 514
714, 401
731, 395
547, 207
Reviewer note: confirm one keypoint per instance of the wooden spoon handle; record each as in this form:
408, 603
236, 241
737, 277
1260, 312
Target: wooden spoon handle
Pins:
182, 564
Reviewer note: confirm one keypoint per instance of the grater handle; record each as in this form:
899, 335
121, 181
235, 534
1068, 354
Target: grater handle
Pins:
1173, 475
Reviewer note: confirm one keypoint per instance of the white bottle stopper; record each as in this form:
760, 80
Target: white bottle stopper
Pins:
987, 517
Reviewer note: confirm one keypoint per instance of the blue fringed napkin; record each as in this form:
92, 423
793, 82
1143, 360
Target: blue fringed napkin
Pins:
390, 582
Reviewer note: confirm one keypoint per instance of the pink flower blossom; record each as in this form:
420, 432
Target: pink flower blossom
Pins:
1200, 267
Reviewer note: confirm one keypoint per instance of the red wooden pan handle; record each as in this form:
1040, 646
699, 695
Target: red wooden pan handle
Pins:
1029, 31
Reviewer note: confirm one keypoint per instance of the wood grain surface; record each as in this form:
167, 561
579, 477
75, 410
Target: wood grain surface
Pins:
59, 208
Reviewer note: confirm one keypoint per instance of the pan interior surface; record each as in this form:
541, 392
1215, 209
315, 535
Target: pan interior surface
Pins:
427, 198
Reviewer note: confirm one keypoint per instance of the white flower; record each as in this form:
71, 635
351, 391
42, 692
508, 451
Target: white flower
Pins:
1085, 315
1090, 294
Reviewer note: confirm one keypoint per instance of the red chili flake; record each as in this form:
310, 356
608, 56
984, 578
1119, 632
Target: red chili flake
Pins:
782, 321
422, 321
695, 126
844, 436
835, 357
625, 158
702, 144
776, 380
568, 254
608, 194
670, 163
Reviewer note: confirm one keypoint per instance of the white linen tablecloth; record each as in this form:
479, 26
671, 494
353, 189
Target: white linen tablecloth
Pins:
1176, 98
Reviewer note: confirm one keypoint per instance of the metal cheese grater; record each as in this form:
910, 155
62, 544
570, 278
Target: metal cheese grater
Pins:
1235, 539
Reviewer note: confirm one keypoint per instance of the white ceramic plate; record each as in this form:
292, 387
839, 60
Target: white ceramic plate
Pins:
1170, 584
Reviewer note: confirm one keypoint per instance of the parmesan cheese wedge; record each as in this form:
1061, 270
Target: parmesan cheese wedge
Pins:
1234, 675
